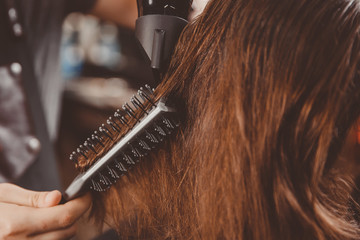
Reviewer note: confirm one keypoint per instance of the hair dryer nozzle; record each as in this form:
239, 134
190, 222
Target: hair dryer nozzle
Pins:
158, 28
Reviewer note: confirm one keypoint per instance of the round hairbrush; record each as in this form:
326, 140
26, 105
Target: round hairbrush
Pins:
121, 143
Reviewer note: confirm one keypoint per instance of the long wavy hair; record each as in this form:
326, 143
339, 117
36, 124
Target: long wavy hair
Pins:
268, 90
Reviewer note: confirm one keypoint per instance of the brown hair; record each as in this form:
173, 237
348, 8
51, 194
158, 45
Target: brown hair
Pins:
268, 90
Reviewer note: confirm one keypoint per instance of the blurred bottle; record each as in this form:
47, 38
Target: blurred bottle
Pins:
72, 56
106, 52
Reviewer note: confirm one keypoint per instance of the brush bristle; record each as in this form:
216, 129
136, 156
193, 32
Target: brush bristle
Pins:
115, 128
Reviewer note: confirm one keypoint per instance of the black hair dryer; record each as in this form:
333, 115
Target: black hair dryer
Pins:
158, 28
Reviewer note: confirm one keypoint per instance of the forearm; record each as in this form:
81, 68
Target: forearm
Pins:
122, 12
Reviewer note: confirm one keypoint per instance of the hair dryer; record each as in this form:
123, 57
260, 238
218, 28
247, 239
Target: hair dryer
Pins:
158, 28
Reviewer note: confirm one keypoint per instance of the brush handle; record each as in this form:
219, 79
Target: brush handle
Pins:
75, 189
63, 200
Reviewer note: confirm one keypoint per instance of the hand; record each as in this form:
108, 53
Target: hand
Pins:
33, 215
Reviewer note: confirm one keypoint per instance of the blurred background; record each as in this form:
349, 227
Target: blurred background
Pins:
102, 67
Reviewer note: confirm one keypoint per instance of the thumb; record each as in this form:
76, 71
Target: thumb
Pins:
44, 199
10, 193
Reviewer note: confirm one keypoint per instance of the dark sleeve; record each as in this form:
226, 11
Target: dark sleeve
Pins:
79, 5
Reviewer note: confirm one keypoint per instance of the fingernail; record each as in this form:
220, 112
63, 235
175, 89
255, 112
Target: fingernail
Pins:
48, 198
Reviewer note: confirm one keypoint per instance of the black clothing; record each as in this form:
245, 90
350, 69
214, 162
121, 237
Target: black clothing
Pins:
41, 21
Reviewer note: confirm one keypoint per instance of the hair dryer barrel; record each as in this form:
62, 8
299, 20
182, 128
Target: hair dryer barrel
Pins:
178, 8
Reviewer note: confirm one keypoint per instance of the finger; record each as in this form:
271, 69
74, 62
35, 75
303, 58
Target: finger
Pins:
10, 193
65, 233
58, 217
